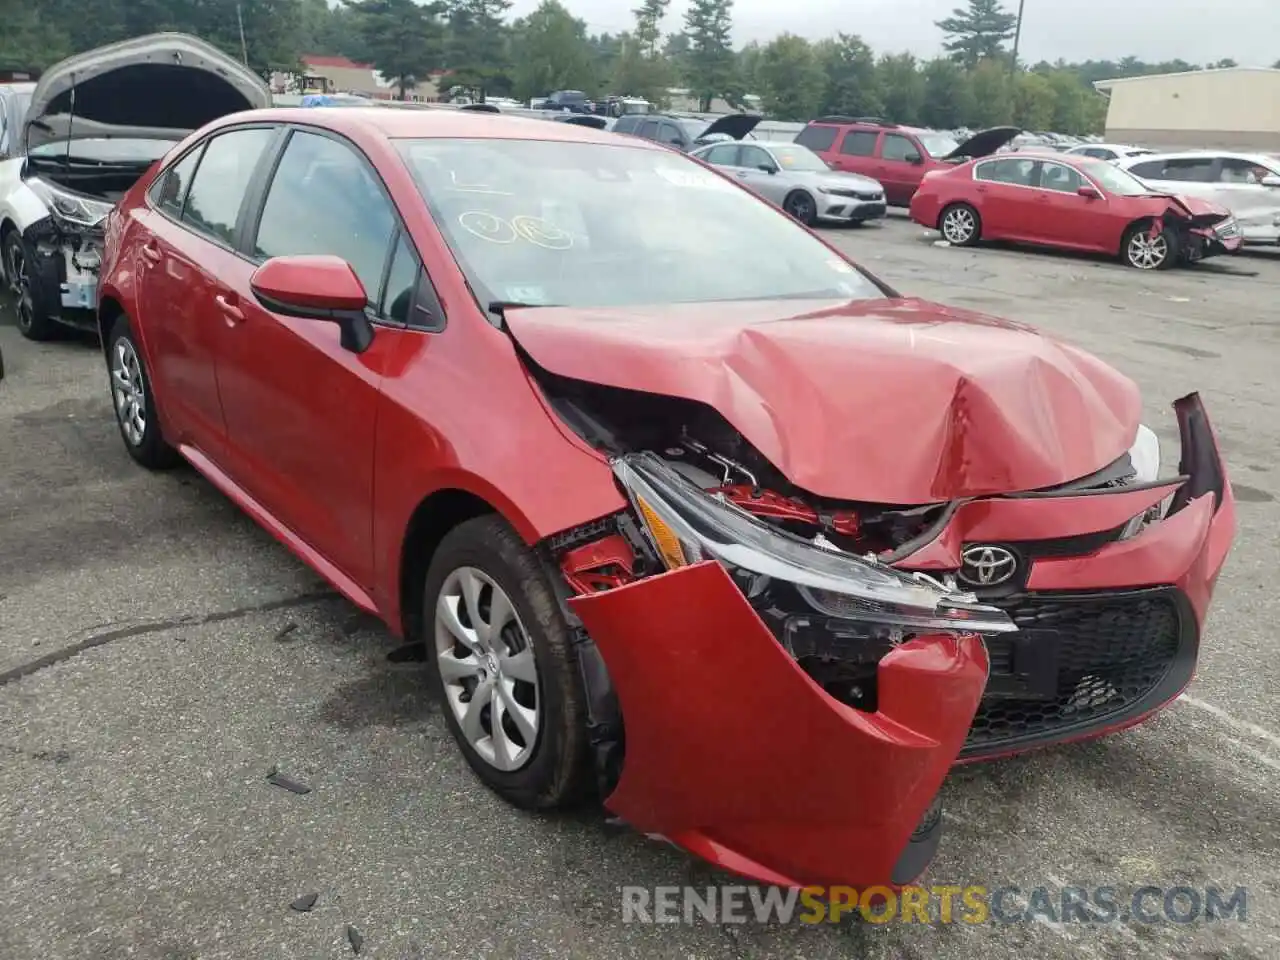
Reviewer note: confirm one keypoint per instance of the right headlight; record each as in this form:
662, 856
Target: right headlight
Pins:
687, 525
68, 207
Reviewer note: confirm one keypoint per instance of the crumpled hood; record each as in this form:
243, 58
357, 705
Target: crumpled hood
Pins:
889, 401
1203, 213
161, 86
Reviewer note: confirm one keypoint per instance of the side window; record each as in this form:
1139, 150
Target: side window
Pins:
1019, 173
754, 157
1189, 169
817, 138
725, 155
648, 129
897, 148
1150, 170
668, 132
626, 125
1100, 153
218, 189
324, 199
402, 284
170, 188
859, 143
1234, 170
1062, 179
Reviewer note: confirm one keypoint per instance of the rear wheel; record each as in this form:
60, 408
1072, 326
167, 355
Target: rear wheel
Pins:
134, 403
960, 225
801, 206
20, 269
1145, 250
502, 656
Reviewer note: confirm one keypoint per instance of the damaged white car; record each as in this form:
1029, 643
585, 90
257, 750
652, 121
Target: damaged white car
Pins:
97, 122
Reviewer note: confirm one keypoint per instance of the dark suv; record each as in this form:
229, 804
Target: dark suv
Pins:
685, 133
897, 156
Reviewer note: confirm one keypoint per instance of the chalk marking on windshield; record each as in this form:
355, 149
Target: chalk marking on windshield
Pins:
486, 226
534, 230
541, 233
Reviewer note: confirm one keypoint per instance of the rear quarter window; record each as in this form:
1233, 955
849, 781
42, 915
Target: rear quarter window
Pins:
817, 138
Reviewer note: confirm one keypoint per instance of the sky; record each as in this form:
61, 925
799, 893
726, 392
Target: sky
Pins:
1198, 31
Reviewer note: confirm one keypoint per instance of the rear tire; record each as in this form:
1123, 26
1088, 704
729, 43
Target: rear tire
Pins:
133, 401
960, 225
517, 668
1143, 252
19, 269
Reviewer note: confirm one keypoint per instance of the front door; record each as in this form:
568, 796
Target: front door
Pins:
1071, 220
895, 169
300, 409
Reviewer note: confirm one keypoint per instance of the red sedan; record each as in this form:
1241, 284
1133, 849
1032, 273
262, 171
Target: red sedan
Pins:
1076, 203
685, 508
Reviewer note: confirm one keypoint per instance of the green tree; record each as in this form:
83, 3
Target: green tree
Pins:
903, 87
791, 79
649, 16
476, 47
29, 38
749, 67
978, 31
709, 67
852, 86
551, 52
1035, 101
992, 104
638, 73
405, 40
948, 94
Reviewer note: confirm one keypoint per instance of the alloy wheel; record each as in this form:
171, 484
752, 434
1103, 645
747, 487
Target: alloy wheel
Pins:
959, 226
802, 208
1147, 252
20, 285
487, 666
128, 393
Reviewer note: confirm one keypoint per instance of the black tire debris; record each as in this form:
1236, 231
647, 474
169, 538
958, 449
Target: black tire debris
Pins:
355, 939
278, 779
286, 632
304, 903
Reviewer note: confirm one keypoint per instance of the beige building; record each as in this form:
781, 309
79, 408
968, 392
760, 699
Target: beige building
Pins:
329, 74
1233, 108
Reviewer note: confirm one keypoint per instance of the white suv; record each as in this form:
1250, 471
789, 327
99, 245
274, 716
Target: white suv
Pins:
1247, 184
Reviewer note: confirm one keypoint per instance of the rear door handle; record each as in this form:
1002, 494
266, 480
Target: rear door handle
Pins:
152, 252
233, 313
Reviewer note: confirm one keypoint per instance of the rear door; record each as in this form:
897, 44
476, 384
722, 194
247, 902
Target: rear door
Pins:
192, 215
300, 409
899, 167
856, 153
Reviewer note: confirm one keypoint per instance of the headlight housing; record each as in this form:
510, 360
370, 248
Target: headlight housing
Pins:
686, 525
1144, 456
68, 207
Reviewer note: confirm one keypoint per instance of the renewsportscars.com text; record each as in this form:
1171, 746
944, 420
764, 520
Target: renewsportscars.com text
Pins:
972, 904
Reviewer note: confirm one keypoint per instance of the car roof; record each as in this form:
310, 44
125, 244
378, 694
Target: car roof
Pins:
1260, 158
432, 122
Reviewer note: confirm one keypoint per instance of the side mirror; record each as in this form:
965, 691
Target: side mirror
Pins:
914, 158
768, 168
1088, 191
316, 288
1271, 180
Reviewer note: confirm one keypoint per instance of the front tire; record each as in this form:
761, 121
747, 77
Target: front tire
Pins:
960, 225
20, 270
502, 657
1142, 251
133, 401
802, 207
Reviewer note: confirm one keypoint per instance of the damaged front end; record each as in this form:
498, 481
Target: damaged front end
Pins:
1203, 230
780, 683
66, 247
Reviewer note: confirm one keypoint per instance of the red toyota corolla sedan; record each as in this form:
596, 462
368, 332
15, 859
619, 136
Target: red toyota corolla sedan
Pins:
1076, 203
687, 509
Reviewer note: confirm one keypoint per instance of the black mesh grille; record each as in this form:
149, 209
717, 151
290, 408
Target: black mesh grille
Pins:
1080, 662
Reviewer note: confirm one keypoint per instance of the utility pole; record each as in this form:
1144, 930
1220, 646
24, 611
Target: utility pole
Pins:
1017, 35
244, 50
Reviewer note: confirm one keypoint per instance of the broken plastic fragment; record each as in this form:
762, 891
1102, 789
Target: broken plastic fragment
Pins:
355, 939
285, 631
304, 903
276, 778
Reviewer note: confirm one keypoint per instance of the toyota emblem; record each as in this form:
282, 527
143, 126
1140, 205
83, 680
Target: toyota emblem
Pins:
987, 566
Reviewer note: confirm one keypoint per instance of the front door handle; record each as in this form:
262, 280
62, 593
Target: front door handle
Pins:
233, 313
151, 252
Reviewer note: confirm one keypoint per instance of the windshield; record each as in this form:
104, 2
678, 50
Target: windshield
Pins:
937, 144
1114, 180
105, 151
601, 225
798, 158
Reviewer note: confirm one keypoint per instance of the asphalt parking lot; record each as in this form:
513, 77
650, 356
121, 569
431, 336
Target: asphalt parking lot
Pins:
136, 818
